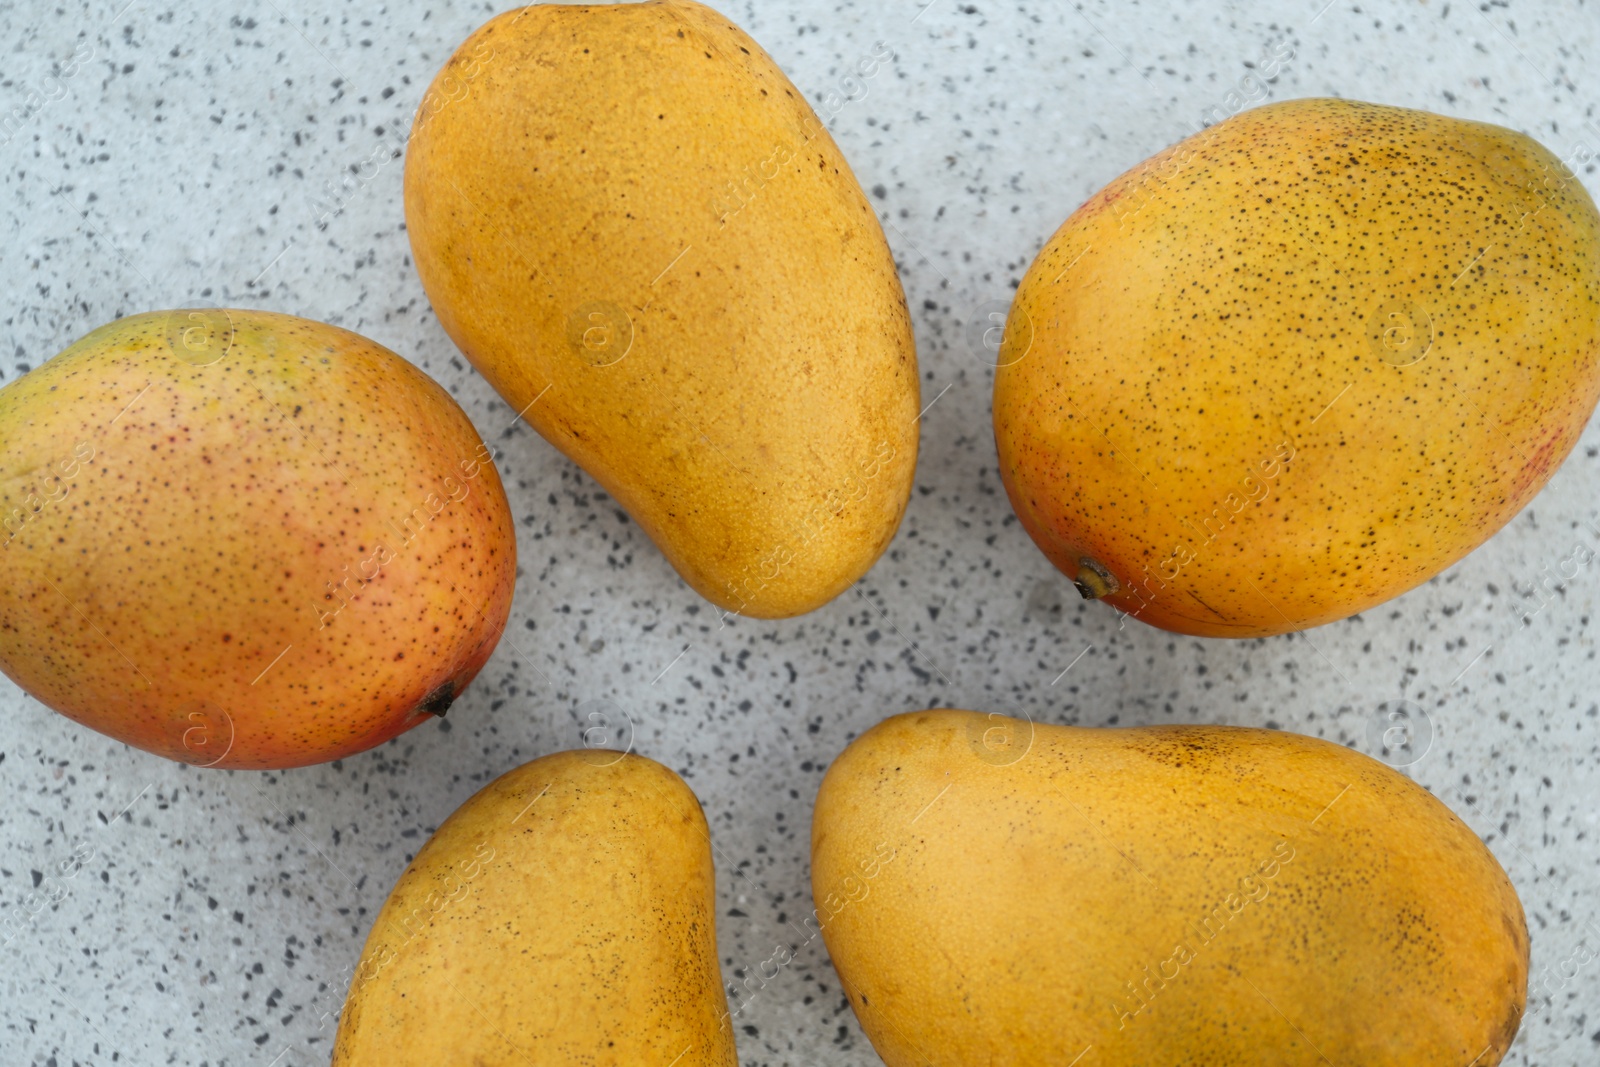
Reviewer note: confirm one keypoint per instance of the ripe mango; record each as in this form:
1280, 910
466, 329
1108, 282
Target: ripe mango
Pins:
633, 224
1159, 895
563, 915
1299, 363
245, 540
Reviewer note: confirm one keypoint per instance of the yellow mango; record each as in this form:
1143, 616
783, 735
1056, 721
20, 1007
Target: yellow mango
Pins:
246, 540
995, 891
565, 915
1299, 363
634, 226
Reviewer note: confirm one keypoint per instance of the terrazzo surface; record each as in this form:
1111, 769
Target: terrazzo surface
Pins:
243, 153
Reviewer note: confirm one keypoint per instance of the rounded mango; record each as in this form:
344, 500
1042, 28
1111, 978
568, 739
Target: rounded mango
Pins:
242, 539
1299, 363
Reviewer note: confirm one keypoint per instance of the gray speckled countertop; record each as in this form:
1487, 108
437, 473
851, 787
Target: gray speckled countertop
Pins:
174, 152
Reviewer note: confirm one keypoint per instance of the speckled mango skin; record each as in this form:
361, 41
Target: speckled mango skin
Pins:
1221, 398
186, 574
565, 915
747, 388
1031, 876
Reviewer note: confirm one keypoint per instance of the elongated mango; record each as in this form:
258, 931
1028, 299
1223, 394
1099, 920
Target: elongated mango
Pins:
993, 890
633, 224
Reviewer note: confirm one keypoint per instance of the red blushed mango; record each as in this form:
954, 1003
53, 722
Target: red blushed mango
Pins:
1299, 363
245, 540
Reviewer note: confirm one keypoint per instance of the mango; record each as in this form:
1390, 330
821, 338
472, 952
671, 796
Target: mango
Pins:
563, 915
1299, 363
992, 890
635, 227
245, 540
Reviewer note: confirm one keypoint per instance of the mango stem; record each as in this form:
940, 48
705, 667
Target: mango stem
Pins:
1094, 581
